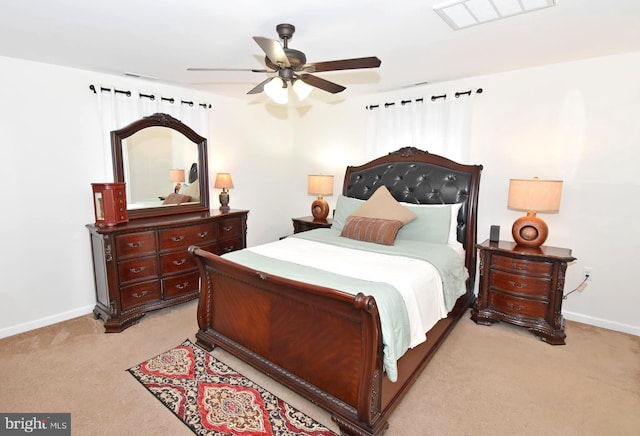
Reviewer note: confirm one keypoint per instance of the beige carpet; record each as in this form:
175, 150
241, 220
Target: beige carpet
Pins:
496, 380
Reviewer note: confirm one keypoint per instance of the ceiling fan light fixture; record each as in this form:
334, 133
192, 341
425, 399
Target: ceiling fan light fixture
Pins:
277, 90
301, 89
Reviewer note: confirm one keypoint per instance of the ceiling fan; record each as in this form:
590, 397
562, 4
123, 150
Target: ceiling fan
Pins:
292, 67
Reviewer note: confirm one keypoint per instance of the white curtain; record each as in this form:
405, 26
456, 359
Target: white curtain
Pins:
117, 109
440, 125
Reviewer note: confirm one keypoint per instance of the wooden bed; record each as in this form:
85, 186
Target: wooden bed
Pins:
323, 343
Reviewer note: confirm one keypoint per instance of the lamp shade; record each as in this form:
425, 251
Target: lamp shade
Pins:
223, 180
320, 185
535, 195
176, 175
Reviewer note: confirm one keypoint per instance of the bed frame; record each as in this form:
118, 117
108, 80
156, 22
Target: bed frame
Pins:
322, 343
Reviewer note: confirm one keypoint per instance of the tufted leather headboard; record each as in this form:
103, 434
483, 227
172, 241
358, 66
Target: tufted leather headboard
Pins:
415, 176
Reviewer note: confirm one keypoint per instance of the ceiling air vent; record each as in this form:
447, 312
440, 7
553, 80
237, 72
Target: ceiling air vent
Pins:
460, 14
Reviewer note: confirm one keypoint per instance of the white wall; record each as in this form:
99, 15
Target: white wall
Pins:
574, 121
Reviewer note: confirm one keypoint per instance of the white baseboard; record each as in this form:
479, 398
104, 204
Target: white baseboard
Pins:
43, 322
610, 325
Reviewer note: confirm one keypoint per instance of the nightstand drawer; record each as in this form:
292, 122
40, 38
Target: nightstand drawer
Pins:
519, 284
521, 266
517, 306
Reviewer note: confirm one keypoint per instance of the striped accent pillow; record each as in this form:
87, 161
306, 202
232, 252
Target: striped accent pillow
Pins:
376, 230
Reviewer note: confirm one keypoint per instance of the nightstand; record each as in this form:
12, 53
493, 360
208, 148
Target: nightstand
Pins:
305, 223
522, 286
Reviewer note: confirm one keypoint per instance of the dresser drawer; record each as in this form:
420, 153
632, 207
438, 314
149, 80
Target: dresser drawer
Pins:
521, 266
178, 261
142, 293
138, 269
229, 245
184, 236
180, 285
135, 244
519, 283
230, 227
517, 306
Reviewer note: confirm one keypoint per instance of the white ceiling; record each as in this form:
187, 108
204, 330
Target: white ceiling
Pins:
161, 38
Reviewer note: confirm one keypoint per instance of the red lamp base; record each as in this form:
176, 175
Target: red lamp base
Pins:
530, 231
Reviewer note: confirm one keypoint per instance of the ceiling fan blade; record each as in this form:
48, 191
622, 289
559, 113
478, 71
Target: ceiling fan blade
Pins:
253, 70
273, 50
260, 87
345, 64
323, 84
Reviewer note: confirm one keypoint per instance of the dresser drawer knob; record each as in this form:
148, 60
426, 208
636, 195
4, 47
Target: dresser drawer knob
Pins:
227, 228
179, 262
516, 265
137, 270
513, 306
177, 238
139, 295
202, 234
182, 285
134, 244
228, 248
517, 285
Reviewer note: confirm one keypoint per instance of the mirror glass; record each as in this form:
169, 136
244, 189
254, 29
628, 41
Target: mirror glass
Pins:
163, 164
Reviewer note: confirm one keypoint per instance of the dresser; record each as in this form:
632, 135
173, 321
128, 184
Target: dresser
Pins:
143, 265
522, 286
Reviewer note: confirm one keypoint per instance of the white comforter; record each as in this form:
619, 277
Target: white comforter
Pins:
418, 281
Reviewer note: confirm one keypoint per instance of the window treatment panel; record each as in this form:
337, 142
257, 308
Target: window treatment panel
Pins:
440, 125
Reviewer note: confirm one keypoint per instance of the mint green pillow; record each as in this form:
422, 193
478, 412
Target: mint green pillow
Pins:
432, 224
345, 206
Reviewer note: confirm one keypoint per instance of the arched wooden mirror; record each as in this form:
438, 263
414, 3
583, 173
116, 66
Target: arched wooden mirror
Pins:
146, 154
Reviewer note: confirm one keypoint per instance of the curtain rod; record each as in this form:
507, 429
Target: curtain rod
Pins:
433, 98
149, 96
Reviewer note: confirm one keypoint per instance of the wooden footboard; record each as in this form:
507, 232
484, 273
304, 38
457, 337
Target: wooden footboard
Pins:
322, 343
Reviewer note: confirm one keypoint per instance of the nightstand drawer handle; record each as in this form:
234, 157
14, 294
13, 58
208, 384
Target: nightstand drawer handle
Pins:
202, 234
140, 295
179, 262
137, 270
519, 265
227, 228
177, 238
513, 306
228, 248
182, 285
134, 244
517, 285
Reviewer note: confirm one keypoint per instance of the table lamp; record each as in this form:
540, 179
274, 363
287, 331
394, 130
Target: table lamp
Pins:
177, 176
224, 182
534, 196
320, 185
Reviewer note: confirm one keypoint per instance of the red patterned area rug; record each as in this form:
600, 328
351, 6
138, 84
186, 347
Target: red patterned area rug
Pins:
212, 399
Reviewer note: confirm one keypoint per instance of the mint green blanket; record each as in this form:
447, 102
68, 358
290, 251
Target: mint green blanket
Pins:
393, 313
